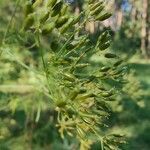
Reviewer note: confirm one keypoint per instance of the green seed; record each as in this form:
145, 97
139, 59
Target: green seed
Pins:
82, 90
104, 106
110, 99
54, 46
106, 94
64, 9
104, 75
91, 78
103, 17
81, 42
69, 59
70, 46
28, 8
74, 94
104, 69
94, 6
91, 1
66, 26
117, 63
57, 8
69, 77
97, 10
28, 22
118, 72
102, 88
117, 135
61, 21
61, 103
85, 96
51, 3
77, 18
81, 65
104, 37
104, 46
37, 3
48, 28
110, 55
44, 17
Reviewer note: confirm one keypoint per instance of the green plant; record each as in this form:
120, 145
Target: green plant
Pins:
74, 89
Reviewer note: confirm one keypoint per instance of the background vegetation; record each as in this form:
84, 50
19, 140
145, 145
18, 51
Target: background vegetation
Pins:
27, 116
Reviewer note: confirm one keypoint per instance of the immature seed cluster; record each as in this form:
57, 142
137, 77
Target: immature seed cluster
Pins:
78, 90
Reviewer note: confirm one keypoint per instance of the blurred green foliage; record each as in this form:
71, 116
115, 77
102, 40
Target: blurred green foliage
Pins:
134, 120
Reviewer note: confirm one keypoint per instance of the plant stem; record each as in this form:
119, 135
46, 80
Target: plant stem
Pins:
10, 21
43, 61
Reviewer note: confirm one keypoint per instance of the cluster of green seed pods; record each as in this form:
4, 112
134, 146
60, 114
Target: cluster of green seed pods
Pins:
119, 72
104, 41
111, 140
97, 11
44, 16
